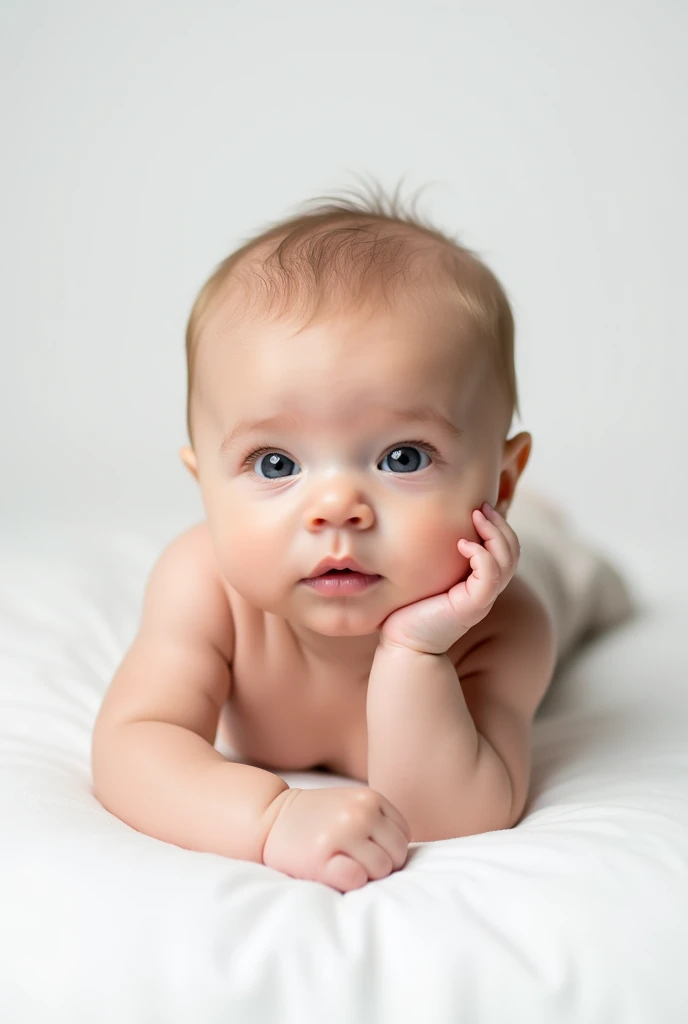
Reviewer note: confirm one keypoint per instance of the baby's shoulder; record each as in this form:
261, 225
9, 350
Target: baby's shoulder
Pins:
188, 583
189, 552
518, 604
519, 621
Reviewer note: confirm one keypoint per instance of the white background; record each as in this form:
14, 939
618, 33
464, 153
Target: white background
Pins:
143, 141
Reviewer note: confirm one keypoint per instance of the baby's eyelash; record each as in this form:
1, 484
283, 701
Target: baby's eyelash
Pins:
426, 445
250, 459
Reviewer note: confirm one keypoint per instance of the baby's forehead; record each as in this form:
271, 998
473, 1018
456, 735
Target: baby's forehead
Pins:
404, 335
336, 387
382, 354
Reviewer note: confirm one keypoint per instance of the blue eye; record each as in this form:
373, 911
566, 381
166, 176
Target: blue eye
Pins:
404, 458
280, 463
404, 462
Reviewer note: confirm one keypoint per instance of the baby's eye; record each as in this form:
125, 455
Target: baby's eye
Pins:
403, 461
277, 462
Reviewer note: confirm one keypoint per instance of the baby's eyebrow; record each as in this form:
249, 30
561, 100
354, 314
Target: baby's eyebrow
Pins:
418, 414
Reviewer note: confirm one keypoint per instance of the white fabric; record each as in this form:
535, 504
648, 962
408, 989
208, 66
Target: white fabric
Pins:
578, 914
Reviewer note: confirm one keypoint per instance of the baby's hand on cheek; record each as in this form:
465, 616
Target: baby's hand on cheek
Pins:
432, 625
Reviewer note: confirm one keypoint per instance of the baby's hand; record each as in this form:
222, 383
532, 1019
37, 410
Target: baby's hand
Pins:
343, 836
432, 625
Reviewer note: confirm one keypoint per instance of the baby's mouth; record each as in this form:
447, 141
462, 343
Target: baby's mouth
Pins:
342, 567
342, 581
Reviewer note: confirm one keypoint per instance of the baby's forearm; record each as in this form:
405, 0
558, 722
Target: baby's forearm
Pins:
424, 752
169, 783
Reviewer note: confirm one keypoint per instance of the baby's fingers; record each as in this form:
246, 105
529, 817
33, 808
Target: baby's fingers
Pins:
391, 842
344, 873
394, 814
494, 527
503, 549
483, 563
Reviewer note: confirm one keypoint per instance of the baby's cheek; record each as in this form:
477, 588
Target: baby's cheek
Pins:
239, 549
252, 553
432, 553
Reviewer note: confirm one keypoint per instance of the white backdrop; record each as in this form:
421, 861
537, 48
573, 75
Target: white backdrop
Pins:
142, 141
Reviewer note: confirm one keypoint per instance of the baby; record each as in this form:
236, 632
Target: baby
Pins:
350, 601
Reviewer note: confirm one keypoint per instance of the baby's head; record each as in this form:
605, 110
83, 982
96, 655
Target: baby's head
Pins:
378, 356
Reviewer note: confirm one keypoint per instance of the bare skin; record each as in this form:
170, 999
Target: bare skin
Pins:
302, 662
289, 714
233, 640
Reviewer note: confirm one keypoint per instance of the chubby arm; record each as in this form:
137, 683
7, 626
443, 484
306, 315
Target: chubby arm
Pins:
153, 761
449, 744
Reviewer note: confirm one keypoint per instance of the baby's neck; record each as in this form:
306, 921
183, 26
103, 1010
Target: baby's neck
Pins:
350, 656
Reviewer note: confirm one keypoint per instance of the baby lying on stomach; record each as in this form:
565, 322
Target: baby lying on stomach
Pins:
351, 599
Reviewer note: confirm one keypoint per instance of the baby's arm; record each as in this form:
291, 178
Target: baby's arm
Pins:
449, 744
153, 761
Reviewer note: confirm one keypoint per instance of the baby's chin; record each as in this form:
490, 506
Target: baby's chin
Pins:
350, 630
346, 620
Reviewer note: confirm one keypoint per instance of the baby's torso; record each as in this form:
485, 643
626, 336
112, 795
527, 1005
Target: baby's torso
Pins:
285, 714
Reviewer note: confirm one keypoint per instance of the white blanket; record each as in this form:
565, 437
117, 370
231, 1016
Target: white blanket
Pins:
578, 914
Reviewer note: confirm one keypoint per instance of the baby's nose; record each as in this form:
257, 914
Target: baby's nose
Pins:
340, 511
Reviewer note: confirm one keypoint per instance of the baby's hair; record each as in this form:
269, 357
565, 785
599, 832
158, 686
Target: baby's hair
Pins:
363, 252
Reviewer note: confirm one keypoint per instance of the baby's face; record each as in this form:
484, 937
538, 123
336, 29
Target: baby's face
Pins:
352, 467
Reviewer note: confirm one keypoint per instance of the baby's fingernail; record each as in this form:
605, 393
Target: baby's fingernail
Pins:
486, 507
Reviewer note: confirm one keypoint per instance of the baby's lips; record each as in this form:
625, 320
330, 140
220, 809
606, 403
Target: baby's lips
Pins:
325, 564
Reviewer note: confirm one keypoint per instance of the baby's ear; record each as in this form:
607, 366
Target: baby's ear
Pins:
188, 457
516, 454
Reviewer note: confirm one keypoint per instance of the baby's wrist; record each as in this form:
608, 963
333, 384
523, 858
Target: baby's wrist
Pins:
272, 812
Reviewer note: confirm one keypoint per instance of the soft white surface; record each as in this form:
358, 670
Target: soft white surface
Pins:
578, 914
